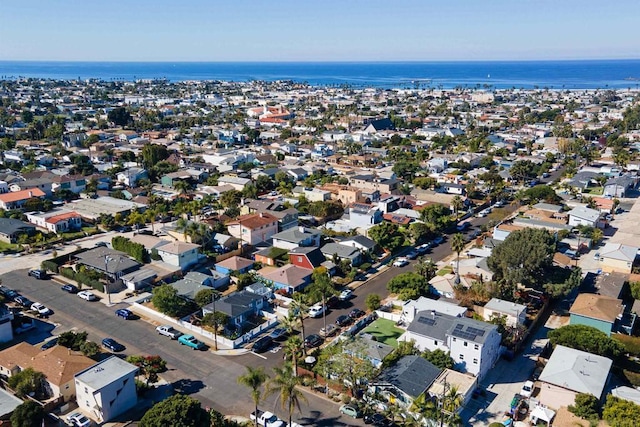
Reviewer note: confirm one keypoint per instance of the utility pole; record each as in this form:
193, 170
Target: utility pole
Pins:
215, 324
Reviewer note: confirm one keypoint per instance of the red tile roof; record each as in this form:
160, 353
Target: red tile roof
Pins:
21, 195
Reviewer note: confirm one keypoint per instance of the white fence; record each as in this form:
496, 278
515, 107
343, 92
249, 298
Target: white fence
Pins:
389, 316
238, 342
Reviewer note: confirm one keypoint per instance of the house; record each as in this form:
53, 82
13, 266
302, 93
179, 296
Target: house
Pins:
452, 188
412, 307
270, 256
8, 404
224, 241
194, 282
473, 345
290, 277
362, 215
342, 252
131, 176
374, 351
375, 126
362, 243
17, 199
234, 263
598, 311
139, 279
179, 254
449, 379
585, 216
371, 182
569, 372
406, 380
253, 228
107, 389
307, 257
234, 181
40, 183
58, 364
287, 217
615, 257
312, 194
295, 237
513, 313
113, 264
56, 220
11, 229
239, 306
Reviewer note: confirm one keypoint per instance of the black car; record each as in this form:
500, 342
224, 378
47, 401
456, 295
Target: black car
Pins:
23, 301
279, 334
38, 274
9, 294
343, 320
72, 289
313, 340
51, 343
376, 419
113, 345
356, 313
332, 302
263, 344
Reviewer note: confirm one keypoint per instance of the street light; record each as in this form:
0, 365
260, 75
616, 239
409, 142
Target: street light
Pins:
107, 258
215, 322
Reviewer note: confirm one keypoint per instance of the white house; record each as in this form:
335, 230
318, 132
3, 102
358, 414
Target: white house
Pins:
412, 307
585, 216
56, 221
514, 314
474, 346
131, 176
180, 254
107, 389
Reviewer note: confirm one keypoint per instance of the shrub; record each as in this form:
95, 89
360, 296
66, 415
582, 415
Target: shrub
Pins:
68, 273
631, 344
586, 406
134, 250
372, 302
49, 265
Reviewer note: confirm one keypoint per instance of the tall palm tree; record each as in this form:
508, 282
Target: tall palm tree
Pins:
183, 225
426, 268
254, 379
284, 383
457, 245
449, 404
457, 203
299, 309
293, 351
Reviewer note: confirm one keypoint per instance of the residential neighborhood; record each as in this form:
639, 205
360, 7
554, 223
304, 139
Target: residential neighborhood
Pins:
410, 256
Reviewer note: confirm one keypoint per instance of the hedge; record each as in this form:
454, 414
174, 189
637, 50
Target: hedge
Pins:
49, 265
82, 279
134, 250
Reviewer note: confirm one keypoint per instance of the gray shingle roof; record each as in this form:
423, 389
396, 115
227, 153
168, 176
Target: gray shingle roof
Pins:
438, 326
411, 374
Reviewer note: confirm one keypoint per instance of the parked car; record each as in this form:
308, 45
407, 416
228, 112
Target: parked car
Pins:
438, 240
463, 226
527, 389
100, 245
412, 255
168, 331
400, 262
350, 410
356, 313
191, 341
48, 344
330, 330
376, 419
596, 256
345, 295
423, 249
77, 419
125, 314
38, 274
313, 340
23, 301
332, 302
87, 295
40, 308
263, 344
279, 334
9, 294
316, 310
72, 289
343, 320
113, 345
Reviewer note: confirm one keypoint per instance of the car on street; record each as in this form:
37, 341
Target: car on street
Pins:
40, 308
38, 274
345, 295
72, 289
328, 331
113, 345
87, 295
481, 214
316, 310
356, 313
125, 314
77, 419
400, 262
412, 255
423, 249
343, 320
527, 389
350, 410
279, 334
313, 340
191, 341
332, 302
100, 245
596, 256
463, 226
168, 331
23, 301
376, 419
9, 294
438, 240
263, 344
48, 344
535, 374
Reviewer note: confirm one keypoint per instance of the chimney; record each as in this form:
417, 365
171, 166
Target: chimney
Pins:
30, 193
433, 313
261, 215
301, 229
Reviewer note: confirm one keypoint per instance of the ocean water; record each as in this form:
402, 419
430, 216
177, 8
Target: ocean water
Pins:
587, 74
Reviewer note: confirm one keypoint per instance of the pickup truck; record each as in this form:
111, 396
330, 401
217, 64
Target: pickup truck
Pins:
168, 331
266, 419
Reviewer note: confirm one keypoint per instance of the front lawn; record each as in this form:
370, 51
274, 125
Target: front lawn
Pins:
8, 248
447, 269
384, 331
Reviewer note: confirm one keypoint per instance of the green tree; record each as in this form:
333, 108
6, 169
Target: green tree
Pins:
586, 338
254, 379
72, 340
165, 298
541, 193
426, 268
349, 362
457, 245
457, 203
523, 257
408, 286
28, 382
28, 414
231, 198
285, 384
522, 170
635, 289
215, 320
620, 413
150, 366
90, 348
387, 235
372, 302
119, 116
204, 297
439, 358
152, 154
179, 411
293, 351
586, 406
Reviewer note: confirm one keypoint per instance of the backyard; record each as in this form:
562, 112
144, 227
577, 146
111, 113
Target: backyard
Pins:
384, 331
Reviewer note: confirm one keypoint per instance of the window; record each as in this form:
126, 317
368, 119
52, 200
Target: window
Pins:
475, 361
461, 357
466, 344
454, 339
435, 342
475, 347
86, 390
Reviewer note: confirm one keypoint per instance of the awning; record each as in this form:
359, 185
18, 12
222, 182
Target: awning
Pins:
542, 413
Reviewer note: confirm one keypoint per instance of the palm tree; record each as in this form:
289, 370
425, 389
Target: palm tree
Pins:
299, 310
457, 204
426, 268
183, 225
293, 351
284, 383
457, 245
183, 187
449, 404
254, 378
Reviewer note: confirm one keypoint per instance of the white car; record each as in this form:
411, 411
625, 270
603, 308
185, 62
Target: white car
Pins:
40, 308
345, 295
316, 311
78, 420
400, 262
87, 295
527, 389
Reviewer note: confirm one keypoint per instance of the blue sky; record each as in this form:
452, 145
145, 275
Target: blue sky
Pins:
320, 30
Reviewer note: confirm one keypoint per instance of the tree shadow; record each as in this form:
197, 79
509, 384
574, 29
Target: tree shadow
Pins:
187, 386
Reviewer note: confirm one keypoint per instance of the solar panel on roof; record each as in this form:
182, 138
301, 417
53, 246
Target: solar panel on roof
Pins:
475, 331
427, 321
